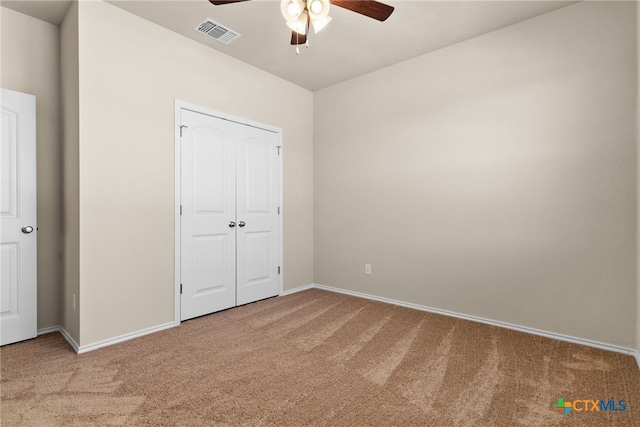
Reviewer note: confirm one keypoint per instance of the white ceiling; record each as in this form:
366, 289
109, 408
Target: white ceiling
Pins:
351, 45
52, 11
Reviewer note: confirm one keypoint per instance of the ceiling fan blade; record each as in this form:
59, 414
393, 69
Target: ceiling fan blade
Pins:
297, 38
371, 8
221, 2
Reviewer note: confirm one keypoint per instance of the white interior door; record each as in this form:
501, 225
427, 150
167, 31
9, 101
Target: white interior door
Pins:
18, 299
258, 246
230, 224
208, 199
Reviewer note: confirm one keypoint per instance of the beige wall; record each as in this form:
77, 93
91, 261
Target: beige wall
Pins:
638, 180
71, 117
30, 54
493, 178
131, 71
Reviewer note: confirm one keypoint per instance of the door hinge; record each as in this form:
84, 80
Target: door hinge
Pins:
182, 127
278, 269
180, 288
278, 147
180, 209
278, 210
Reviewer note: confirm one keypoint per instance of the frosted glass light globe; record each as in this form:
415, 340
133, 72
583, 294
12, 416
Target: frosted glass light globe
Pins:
293, 9
316, 6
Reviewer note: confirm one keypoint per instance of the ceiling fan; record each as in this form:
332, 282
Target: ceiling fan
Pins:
300, 14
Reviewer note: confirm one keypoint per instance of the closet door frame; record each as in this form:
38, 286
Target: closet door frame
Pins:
179, 106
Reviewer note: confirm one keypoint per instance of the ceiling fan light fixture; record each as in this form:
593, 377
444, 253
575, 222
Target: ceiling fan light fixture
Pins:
292, 9
319, 24
299, 25
318, 8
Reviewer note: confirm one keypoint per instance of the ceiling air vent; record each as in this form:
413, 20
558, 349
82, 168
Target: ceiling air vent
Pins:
217, 31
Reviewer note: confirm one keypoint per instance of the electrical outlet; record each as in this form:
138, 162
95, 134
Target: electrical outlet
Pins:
367, 269
73, 302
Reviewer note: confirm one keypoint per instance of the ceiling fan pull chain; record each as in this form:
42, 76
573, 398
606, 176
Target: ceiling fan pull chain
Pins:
297, 50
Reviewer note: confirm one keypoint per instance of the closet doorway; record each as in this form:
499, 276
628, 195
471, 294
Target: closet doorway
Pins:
229, 212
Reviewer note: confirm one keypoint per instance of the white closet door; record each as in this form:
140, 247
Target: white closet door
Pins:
18, 301
258, 253
208, 233
230, 224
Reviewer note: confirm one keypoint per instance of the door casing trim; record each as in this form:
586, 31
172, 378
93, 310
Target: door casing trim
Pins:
182, 105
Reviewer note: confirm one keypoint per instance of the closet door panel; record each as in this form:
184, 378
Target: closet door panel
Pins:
258, 240
208, 191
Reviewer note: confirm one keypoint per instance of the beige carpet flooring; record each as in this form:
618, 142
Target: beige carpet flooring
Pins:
317, 358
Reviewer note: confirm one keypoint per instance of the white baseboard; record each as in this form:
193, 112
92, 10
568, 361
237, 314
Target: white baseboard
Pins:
49, 330
296, 290
70, 340
84, 349
62, 332
553, 335
125, 337
560, 337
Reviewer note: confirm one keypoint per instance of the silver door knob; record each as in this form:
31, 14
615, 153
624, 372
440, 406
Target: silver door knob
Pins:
28, 229
232, 224
241, 224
